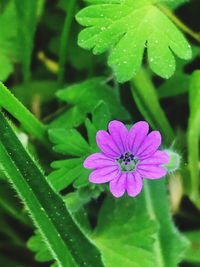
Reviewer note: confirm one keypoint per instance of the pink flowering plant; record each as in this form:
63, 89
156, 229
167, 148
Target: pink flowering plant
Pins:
126, 158
99, 133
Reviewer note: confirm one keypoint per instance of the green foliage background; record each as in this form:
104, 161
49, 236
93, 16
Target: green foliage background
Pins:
67, 68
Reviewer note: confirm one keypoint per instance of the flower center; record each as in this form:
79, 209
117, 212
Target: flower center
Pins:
127, 162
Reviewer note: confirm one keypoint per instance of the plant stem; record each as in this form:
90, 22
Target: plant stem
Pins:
65, 40
147, 101
179, 23
28, 121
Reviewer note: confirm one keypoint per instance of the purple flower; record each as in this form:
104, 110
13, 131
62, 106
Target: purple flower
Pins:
126, 158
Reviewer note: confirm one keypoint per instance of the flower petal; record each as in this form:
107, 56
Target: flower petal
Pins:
133, 184
149, 146
98, 160
119, 133
151, 171
136, 136
118, 186
158, 158
104, 175
107, 145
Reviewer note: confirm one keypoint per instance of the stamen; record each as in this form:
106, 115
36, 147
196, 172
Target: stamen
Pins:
127, 162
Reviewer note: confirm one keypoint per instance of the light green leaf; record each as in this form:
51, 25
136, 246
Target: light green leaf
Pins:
37, 244
125, 28
68, 245
193, 137
139, 232
124, 233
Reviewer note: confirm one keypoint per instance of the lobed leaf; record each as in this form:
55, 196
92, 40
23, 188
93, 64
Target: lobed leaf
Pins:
70, 142
125, 28
86, 95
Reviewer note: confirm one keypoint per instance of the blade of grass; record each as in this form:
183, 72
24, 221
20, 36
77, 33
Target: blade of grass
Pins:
68, 245
193, 137
65, 39
28, 121
27, 21
147, 101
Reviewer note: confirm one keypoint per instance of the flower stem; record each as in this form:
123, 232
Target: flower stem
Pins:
65, 40
179, 23
146, 99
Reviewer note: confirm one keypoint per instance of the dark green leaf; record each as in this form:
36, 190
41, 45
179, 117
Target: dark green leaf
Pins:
33, 188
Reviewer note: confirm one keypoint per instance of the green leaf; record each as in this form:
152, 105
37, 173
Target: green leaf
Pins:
86, 95
27, 20
8, 40
66, 172
193, 137
170, 245
44, 90
68, 245
6, 67
124, 233
37, 244
101, 116
73, 117
139, 232
179, 83
69, 142
28, 121
125, 28
147, 101
193, 252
